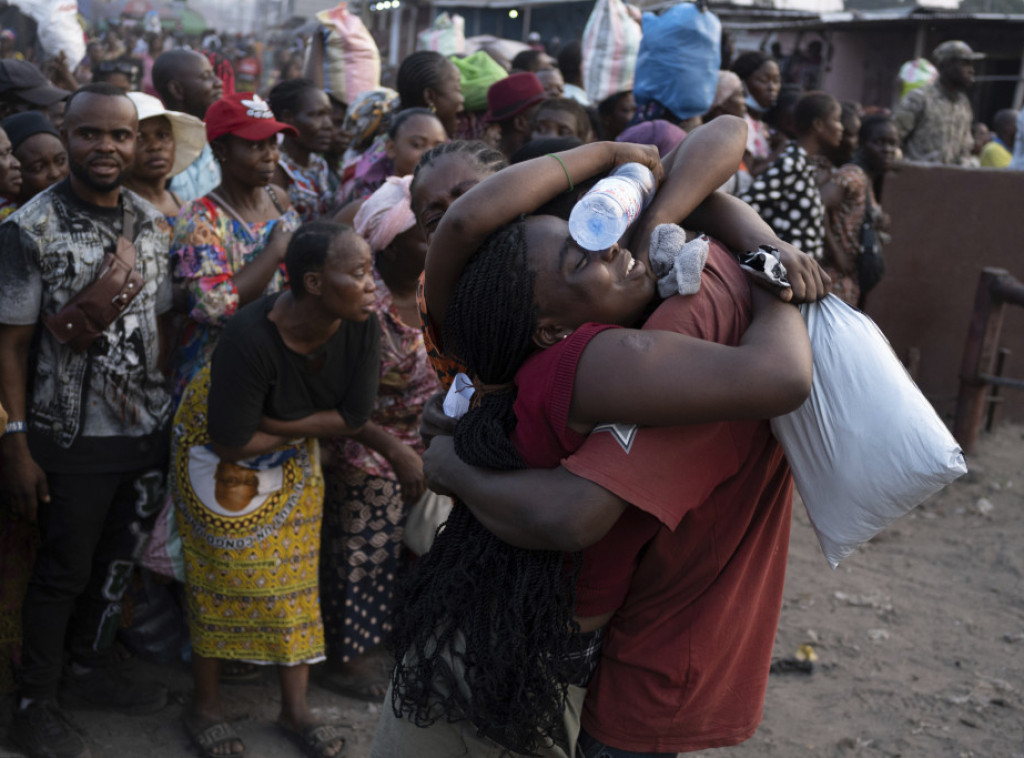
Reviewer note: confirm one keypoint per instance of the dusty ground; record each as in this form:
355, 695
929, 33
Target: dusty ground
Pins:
919, 638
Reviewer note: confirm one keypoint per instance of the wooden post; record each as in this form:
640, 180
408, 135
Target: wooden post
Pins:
995, 288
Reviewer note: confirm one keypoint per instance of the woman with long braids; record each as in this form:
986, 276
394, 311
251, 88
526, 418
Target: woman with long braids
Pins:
487, 630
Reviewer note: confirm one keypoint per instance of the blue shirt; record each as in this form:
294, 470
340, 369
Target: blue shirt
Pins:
200, 178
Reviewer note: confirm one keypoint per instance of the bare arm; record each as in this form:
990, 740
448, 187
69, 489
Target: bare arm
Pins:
575, 512
251, 279
274, 432
406, 462
835, 253
22, 476
522, 188
314, 65
655, 378
702, 163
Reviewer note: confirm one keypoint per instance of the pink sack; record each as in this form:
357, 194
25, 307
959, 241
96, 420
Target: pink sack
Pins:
351, 58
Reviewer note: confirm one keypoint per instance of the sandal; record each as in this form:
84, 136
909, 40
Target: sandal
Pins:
315, 739
238, 672
207, 736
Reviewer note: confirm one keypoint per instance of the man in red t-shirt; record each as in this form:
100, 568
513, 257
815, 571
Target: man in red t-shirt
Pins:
685, 660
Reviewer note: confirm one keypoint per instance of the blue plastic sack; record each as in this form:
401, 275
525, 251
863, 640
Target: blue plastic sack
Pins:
677, 65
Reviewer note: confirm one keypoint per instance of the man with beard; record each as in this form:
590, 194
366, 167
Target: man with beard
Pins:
86, 445
186, 82
934, 121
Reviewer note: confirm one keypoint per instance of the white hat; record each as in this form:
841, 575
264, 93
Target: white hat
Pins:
189, 131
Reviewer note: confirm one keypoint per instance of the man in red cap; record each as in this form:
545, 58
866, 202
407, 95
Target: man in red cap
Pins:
511, 104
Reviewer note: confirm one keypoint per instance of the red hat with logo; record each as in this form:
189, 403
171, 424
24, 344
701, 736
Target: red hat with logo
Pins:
512, 95
245, 115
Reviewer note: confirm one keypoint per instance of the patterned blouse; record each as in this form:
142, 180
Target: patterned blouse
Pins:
208, 248
786, 196
445, 366
845, 224
7, 207
758, 137
309, 187
406, 383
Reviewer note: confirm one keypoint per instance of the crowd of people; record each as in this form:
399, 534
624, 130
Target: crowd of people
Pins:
229, 301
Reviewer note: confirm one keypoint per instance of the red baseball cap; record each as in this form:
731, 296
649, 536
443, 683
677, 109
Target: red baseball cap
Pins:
245, 115
512, 95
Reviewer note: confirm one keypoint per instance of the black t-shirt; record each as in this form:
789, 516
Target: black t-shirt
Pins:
253, 374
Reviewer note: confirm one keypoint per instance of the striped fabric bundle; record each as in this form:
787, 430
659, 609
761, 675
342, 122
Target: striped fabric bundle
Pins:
611, 41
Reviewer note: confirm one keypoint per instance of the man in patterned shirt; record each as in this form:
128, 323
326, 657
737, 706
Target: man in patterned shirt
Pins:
934, 121
86, 448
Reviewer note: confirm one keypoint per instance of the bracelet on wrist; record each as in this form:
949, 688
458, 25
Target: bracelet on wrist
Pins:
14, 427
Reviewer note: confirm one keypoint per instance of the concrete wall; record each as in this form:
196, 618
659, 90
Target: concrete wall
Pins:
947, 224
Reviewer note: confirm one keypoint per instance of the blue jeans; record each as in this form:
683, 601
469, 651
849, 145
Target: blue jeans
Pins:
588, 747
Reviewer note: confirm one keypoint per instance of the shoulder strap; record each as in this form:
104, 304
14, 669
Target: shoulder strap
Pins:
227, 208
274, 200
125, 249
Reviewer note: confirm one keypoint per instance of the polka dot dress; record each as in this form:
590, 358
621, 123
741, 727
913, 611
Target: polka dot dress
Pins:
786, 197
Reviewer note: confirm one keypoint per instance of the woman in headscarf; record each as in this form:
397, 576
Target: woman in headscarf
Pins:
373, 479
367, 118
730, 101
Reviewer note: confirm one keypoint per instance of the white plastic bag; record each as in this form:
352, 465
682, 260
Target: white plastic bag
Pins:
866, 447
59, 30
423, 521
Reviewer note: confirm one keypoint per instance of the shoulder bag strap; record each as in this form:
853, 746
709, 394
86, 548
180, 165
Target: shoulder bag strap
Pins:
125, 249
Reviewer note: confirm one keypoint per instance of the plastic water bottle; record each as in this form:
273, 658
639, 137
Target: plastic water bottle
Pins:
601, 216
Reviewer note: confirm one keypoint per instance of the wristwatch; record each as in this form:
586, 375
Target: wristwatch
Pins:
15, 426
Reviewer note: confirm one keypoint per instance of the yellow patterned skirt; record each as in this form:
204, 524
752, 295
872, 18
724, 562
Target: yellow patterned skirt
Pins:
251, 539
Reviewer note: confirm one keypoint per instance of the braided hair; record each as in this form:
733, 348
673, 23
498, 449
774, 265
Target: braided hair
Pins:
479, 153
420, 71
483, 629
